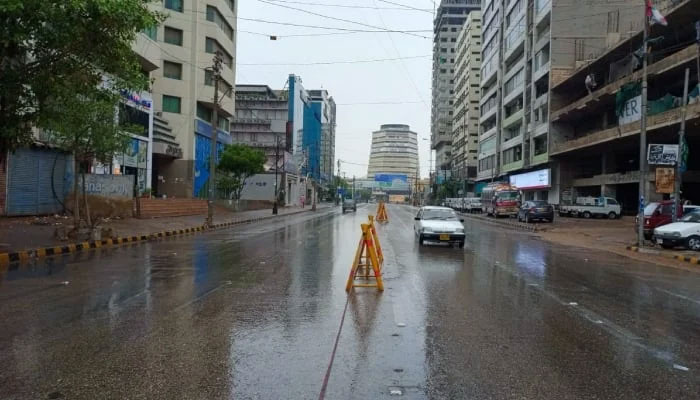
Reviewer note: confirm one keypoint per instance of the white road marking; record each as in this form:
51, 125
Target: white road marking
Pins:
680, 296
680, 367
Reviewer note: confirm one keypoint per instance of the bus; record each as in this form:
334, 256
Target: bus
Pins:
500, 198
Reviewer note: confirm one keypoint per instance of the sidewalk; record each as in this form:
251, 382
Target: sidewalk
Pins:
23, 233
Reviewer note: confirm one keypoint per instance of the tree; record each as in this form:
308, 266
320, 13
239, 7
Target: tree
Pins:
52, 47
87, 126
239, 162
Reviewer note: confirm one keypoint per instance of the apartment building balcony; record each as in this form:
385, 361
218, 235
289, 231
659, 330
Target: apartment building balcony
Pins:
539, 159
489, 69
514, 166
544, 40
516, 92
513, 119
437, 140
542, 8
541, 72
654, 123
514, 44
148, 52
487, 134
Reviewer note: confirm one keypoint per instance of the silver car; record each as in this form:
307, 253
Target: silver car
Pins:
439, 224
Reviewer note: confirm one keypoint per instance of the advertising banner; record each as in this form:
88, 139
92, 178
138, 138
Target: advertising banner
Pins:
665, 178
663, 154
540, 179
632, 111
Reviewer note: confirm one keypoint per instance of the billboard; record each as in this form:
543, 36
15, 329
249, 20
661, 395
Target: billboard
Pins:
397, 182
540, 179
665, 180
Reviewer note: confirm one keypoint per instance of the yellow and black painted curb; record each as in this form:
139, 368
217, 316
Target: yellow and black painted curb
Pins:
688, 259
26, 255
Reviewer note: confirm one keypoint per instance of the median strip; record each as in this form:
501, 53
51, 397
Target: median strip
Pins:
678, 257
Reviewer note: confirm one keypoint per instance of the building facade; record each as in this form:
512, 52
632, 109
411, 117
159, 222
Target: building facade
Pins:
595, 134
465, 107
183, 93
260, 121
324, 105
529, 45
394, 152
449, 19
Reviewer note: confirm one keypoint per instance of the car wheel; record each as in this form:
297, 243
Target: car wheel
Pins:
421, 241
693, 243
612, 215
587, 215
527, 219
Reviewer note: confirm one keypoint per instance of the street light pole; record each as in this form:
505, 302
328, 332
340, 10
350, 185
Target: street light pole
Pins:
643, 132
214, 139
681, 140
277, 163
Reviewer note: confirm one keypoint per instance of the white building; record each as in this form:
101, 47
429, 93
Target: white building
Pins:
394, 152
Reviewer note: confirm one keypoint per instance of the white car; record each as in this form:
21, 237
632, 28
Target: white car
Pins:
439, 224
685, 232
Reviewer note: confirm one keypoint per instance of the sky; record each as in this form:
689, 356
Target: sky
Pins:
404, 81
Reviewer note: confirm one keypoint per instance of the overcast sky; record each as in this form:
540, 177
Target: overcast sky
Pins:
405, 81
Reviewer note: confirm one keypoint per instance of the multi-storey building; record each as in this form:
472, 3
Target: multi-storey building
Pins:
183, 93
465, 123
449, 18
260, 121
528, 45
394, 152
595, 134
325, 106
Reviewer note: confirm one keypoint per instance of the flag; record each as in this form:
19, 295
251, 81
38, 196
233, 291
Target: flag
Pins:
655, 15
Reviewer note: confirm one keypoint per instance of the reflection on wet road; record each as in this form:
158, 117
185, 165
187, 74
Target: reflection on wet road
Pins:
253, 312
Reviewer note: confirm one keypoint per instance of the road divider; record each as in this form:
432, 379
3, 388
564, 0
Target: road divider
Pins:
24, 256
367, 264
678, 257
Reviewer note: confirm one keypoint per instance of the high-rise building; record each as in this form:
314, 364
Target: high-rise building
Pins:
394, 151
528, 46
325, 106
183, 93
465, 123
449, 18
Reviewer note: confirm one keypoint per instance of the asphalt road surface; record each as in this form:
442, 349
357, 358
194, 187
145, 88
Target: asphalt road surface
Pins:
253, 313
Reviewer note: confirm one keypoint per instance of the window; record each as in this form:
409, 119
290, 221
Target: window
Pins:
224, 87
443, 39
171, 104
443, 50
172, 70
231, 4
453, 40
540, 143
215, 16
175, 5
152, 32
205, 113
172, 36
212, 46
512, 155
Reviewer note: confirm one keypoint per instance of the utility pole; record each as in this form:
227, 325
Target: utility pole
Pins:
337, 198
643, 132
214, 139
277, 163
681, 141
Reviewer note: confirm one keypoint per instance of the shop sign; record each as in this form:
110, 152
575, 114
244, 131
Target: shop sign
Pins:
540, 179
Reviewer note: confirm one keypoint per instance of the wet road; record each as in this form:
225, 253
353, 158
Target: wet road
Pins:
253, 313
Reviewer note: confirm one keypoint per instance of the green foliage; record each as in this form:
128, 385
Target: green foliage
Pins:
449, 188
239, 162
52, 48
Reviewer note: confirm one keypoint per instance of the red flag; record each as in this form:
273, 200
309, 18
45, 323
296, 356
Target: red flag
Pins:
655, 15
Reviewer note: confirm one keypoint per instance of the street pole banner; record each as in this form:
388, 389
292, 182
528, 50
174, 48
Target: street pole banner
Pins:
662, 154
665, 179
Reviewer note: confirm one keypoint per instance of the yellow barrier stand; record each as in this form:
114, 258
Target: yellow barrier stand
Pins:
381, 213
380, 255
365, 257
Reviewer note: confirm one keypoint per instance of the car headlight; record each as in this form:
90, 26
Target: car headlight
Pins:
426, 230
459, 230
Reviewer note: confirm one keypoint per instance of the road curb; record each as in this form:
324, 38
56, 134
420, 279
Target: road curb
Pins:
42, 252
687, 259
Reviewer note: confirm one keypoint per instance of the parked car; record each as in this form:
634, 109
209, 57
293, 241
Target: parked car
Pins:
532, 210
588, 207
660, 213
349, 204
439, 224
472, 204
685, 232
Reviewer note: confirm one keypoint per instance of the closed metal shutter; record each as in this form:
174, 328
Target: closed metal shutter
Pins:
29, 177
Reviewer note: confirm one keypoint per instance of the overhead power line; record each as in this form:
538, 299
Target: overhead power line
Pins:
379, 103
343, 61
337, 19
402, 8
332, 28
405, 7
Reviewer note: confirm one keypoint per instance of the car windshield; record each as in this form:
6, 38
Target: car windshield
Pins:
507, 195
691, 217
649, 209
446, 215
540, 203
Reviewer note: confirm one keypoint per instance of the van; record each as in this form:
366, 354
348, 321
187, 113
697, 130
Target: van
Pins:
660, 213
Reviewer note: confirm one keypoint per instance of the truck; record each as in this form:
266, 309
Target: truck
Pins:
589, 207
500, 198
